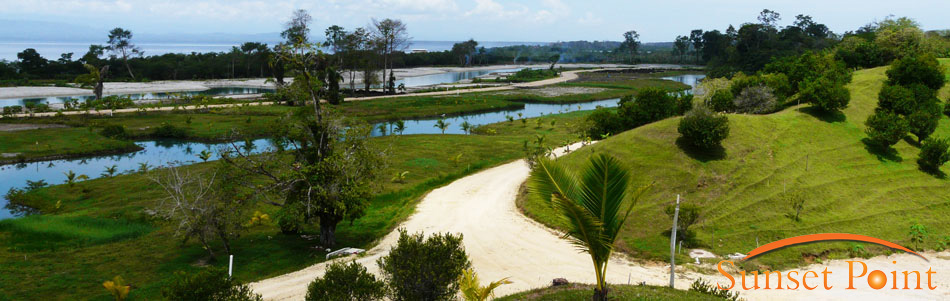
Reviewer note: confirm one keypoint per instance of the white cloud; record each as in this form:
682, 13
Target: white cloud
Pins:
550, 11
590, 19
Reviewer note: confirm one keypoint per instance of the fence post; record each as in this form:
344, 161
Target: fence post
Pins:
676, 214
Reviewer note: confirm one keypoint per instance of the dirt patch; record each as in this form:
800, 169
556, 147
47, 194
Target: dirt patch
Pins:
13, 127
555, 91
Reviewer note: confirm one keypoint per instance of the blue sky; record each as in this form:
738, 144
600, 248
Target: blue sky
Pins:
485, 20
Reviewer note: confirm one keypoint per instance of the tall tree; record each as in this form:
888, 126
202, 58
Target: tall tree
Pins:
120, 45
696, 38
681, 45
297, 30
465, 51
31, 62
631, 42
391, 36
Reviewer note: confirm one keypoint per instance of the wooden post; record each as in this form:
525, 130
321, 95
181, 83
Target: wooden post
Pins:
676, 215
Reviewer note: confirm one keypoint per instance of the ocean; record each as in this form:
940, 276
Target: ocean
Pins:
53, 50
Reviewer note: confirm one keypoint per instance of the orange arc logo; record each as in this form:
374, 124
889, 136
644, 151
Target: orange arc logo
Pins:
825, 237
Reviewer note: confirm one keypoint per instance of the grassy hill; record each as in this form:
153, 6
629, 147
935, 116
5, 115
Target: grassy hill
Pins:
847, 187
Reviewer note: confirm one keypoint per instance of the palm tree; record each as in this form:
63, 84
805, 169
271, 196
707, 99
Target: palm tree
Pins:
72, 178
400, 126
110, 171
204, 155
382, 129
471, 287
143, 167
592, 203
466, 127
442, 125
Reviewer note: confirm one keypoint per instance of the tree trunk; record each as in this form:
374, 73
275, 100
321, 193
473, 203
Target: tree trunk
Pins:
600, 295
129, 68
328, 231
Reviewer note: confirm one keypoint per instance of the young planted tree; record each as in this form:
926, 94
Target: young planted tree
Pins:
825, 93
472, 289
934, 152
120, 45
442, 125
94, 79
594, 204
885, 128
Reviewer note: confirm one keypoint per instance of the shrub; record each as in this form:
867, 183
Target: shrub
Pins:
756, 100
703, 287
923, 122
933, 154
856, 52
350, 282
167, 130
207, 284
650, 104
424, 269
916, 69
722, 101
114, 131
10, 110
825, 94
703, 128
885, 128
777, 83
688, 216
897, 99
290, 218
684, 102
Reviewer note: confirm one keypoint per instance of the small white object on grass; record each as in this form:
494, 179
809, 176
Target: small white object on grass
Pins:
344, 252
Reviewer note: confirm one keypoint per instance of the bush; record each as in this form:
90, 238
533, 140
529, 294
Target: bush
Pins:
933, 154
885, 128
167, 130
114, 131
703, 287
350, 282
856, 52
756, 100
916, 69
603, 121
424, 269
703, 128
684, 103
290, 218
777, 83
722, 101
689, 214
897, 99
923, 122
212, 284
650, 104
10, 110
825, 94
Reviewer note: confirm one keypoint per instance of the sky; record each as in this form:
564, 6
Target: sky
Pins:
453, 20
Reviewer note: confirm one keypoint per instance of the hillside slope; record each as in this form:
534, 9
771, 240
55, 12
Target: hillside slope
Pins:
847, 187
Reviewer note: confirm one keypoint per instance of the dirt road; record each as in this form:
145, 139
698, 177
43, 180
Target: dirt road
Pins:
502, 242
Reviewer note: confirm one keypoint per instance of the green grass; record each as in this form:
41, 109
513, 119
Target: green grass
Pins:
76, 271
848, 188
42, 232
258, 121
573, 292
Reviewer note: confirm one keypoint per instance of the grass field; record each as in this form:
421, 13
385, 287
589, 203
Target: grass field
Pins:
100, 231
258, 121
743, 188
573, 292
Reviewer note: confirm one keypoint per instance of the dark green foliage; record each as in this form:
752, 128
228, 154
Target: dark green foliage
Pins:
885, 128
10, 110
346, 282
530, 75
650, 104
916, 69
825, 93
721, 101
703, 128
603, 121
211, 284
290, 218
897, 99
115, 131
933, 154
856, 52
684, 103
923, 122
167, 130
424, 269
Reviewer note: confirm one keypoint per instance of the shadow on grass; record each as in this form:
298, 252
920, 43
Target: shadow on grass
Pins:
703, 155
936, 172
883, 153
830, 117
912, 141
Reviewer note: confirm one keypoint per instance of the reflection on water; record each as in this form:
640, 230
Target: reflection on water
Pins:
218, 91
163, 152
